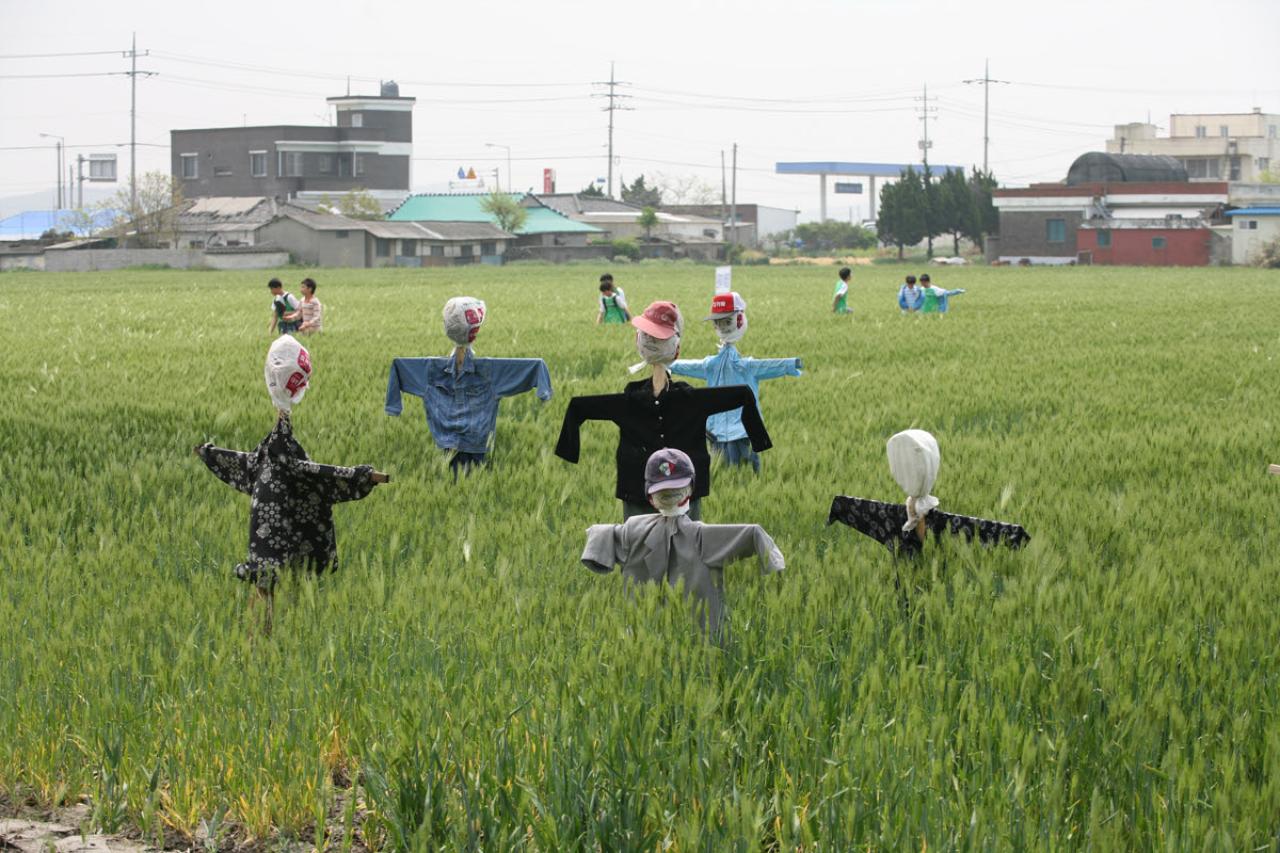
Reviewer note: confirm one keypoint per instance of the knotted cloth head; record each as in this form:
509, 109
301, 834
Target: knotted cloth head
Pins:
913, 462
288, 372
463, 316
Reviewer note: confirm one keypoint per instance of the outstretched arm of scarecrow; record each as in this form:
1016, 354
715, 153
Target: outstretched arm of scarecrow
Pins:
407, 375
511, 376
725, 543
238, 470
730, 397
336, 483
695, 367
605, 547
772, 368
594, 407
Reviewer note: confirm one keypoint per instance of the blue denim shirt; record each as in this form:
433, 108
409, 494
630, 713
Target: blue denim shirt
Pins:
462, 407
910, 299
728, 367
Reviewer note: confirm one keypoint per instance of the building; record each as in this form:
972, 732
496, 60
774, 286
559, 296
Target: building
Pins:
369, 147
1121, 209
333, 240
1211, 146
223, 221
543, 225
756, 223
1252, 228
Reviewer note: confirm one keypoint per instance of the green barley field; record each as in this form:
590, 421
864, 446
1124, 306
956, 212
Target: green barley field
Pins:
463, 683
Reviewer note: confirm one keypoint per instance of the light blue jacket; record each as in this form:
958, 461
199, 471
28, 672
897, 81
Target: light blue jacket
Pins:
728, 367
462, 408
910, 300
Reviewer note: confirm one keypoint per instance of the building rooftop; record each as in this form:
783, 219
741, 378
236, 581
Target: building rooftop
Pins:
1098, 166
466, 207
1254, 211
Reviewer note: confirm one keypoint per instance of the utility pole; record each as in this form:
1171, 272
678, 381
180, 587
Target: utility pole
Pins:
57, 169
133, 73
724, 190
733, 198
613, 97
925, 109
986, 82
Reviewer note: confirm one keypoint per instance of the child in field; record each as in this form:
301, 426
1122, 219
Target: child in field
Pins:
656, 412
284, 308
935, 298
840, 302
670, 547
311, 312
727, 367
291, 512
460, 392
910, 297
613, 303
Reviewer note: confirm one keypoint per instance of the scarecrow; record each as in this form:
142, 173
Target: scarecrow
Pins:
936, 299
291, 512
655, 412
903, 528
669, 547
727, 367
460, 392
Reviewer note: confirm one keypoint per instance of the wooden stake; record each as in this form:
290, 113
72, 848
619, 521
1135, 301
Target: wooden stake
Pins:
1273, 469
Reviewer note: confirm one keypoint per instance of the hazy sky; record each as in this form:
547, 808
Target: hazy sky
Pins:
800, 80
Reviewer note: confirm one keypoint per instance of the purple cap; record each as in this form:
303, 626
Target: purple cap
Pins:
667, 468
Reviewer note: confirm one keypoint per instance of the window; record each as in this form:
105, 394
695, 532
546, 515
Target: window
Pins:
488, 248
359, 170
382, 247
1271, 131
258, 164
1264, 163
103, 169
195, 244
290, 164
1201, 131
222, 171
1056, 230
1252, 223
357, 119
1223, 130
1104, 238
341, 235
466, 250
1235, 169
407, 248
324, 163
437, 251
1158, 242
189, 169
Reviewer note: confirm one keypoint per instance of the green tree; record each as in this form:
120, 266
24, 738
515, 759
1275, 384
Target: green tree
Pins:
833, 234
648, 219
986, 218
641, 195
505, 210
592, 190
957, 209
903, 212
360, 204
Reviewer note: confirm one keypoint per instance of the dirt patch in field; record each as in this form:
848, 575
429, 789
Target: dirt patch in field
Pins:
818, 262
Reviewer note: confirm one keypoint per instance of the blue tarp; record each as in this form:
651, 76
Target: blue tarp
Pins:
30, 224
1255, 211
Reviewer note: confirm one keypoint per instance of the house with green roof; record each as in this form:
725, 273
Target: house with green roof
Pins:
542, 227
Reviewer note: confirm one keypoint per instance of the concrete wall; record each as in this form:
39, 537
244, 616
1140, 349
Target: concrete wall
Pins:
22, 262
88, 260
1247, 240
1024, 234
560, 254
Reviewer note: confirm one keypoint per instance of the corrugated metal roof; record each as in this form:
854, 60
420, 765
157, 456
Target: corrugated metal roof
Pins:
322, 221
465, 207
224, 206
1097, 166
465, 231
1255, 211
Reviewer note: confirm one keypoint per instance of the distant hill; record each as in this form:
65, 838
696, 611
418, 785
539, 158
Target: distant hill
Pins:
44, 200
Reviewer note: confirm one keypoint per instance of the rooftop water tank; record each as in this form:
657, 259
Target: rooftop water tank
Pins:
390, 89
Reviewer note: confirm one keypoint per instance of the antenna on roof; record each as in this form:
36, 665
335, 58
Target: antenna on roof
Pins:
348, 85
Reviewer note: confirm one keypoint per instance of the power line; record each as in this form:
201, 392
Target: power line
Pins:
52, 76
58, 55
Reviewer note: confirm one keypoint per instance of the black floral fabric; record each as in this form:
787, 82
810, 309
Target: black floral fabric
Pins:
291, 511
883, 522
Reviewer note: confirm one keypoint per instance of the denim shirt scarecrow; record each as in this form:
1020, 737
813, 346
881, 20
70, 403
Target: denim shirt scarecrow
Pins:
728, 367
462, 404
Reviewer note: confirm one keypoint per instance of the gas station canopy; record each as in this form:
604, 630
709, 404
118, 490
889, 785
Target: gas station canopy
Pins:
862, 170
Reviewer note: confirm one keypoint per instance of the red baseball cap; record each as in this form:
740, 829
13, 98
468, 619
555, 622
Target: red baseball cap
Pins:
660, 320
724, 304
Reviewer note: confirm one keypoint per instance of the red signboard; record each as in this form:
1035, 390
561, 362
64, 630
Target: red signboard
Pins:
548, 180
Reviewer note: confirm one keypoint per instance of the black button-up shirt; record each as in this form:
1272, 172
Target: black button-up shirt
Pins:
675, 418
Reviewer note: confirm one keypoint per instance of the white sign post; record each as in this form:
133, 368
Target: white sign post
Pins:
724, 279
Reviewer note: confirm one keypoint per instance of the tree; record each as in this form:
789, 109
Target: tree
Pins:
593, 190
641, 195
359, 204
832, 234
155, 218
958, 211
986, 218
903, 214
648, 219
505, 210
685, 189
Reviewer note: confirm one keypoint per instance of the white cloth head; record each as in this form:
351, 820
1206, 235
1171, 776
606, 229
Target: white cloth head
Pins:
655, 350
914, 460
731, 327
463, 316
672, 502
288, 372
